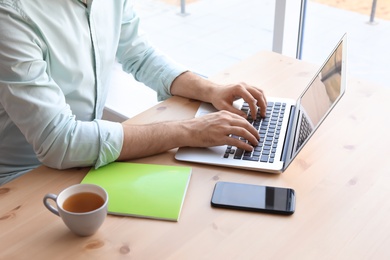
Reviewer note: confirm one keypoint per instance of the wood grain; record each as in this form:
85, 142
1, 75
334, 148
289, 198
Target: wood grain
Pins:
341, 179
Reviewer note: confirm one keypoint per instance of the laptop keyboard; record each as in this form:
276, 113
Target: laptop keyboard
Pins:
304, 131
269, 130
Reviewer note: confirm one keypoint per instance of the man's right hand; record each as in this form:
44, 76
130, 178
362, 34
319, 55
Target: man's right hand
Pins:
221, 128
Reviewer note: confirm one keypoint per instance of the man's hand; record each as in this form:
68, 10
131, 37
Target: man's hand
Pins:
226, 127
221, 128
224, 96
210, 130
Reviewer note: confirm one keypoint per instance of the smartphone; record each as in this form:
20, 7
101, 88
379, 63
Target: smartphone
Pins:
253, 198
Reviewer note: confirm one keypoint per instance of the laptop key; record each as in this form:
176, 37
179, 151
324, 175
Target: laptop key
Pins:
264, 158
256, 153
251, 158
238, 153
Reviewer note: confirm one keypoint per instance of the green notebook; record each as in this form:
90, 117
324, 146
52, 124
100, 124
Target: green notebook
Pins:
143, 190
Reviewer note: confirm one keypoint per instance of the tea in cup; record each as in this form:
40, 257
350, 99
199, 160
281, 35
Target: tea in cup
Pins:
82, 207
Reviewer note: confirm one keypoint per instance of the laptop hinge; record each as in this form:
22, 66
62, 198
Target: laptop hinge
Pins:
288, 135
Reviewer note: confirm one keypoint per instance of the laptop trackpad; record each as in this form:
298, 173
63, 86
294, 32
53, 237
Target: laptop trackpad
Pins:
207, 108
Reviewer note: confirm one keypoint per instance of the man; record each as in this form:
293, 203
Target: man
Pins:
55, 63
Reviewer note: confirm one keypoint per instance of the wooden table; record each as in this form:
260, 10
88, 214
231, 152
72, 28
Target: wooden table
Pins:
341, 178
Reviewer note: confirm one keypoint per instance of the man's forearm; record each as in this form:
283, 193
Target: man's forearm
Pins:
192, 86
144, 140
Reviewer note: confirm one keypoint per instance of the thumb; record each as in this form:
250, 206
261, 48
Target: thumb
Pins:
236, 111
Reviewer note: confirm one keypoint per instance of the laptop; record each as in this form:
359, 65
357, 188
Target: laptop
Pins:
288, 126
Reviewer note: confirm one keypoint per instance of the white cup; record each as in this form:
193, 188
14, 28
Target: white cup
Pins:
83, 222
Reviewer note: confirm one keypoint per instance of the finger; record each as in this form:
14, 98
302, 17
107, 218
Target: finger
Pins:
236, 111
261, 103
241, 127
253, 107
239, 143
251, 100
255, 99
249, 134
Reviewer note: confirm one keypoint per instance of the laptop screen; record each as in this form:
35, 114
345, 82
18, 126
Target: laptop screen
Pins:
320, 96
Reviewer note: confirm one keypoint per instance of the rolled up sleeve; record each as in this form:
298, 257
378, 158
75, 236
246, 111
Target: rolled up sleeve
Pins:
34, 110
144, 61
111, 140
58, 139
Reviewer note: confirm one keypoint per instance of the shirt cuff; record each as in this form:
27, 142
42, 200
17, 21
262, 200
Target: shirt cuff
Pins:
111, 141
167, 77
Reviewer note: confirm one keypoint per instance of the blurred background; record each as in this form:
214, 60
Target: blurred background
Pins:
209, 36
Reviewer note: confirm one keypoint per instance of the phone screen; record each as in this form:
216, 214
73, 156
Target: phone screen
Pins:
254, 198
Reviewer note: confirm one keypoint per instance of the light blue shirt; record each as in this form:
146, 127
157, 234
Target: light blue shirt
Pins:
55, 63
